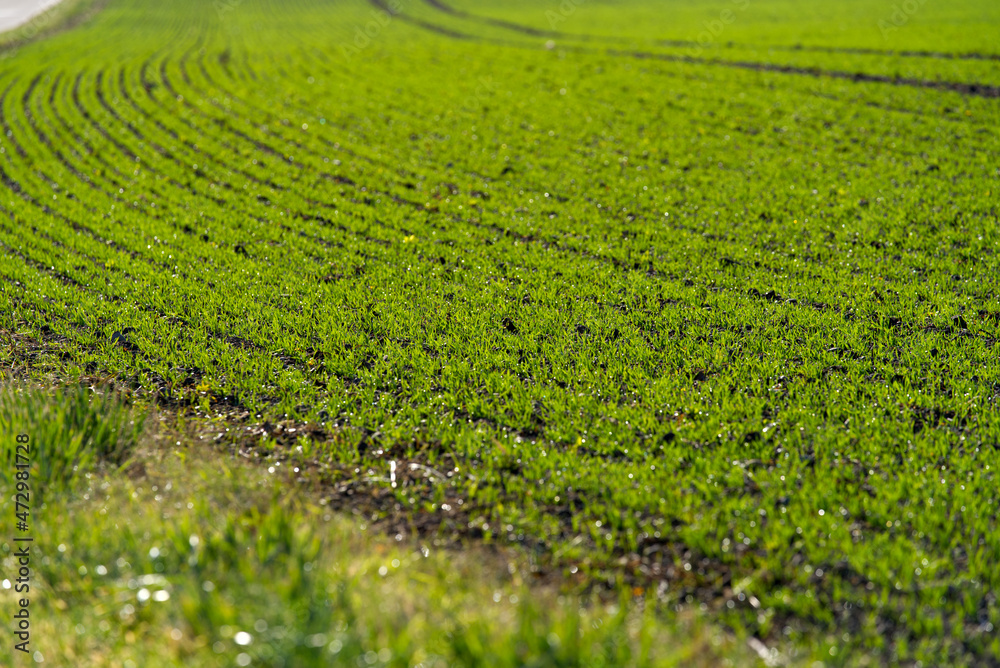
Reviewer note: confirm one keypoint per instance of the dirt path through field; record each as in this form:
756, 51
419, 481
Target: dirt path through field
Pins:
16, 12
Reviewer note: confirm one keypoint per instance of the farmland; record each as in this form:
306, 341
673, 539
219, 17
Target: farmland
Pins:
687, 307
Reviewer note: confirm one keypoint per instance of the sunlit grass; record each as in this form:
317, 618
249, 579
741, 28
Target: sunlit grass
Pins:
718, 331
207, 562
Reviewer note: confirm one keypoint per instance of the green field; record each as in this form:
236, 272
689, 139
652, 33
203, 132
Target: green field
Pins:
634, 333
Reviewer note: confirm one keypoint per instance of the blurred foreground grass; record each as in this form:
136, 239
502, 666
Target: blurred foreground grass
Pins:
151, 555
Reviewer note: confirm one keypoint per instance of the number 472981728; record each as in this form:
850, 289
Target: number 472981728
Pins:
22, 464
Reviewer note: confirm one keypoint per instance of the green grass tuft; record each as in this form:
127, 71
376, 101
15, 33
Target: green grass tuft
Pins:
71, 431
